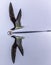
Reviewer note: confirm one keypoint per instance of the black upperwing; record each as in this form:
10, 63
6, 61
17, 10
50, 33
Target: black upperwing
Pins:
17, 43
11, 14
20, 47
13, 50
18, 19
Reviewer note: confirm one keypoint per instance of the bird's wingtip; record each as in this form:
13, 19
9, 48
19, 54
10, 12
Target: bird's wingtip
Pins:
20, 10
10, 3
13, 61
23, 54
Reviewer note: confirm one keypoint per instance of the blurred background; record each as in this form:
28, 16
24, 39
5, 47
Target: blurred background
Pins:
36, 15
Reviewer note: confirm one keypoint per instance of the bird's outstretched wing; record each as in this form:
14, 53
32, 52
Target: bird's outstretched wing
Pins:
11, 14
17, 43
18, 19
13, 50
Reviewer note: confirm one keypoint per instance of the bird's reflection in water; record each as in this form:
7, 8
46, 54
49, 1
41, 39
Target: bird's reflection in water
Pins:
17, 44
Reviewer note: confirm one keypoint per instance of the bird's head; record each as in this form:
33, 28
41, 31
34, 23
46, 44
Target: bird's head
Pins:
9, 32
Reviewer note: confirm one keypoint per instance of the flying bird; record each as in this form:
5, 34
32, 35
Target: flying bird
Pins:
17, 43
16, 21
